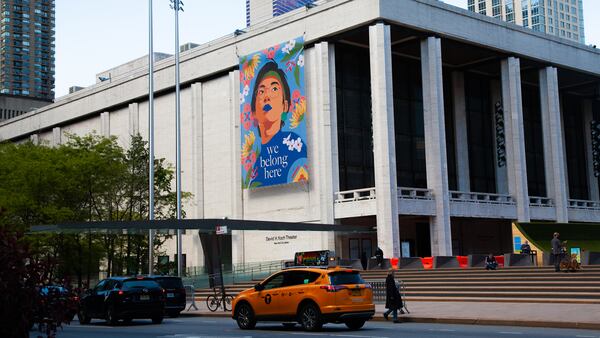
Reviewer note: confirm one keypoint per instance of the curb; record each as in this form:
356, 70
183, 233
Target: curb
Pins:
462, 321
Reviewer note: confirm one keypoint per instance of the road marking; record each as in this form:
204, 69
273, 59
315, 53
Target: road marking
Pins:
443, 330
508, 332
355, 336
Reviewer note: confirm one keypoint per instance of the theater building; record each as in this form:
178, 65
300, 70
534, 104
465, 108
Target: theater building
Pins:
436, 126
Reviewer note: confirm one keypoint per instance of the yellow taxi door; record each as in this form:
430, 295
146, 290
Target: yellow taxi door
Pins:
267, 302
296, 284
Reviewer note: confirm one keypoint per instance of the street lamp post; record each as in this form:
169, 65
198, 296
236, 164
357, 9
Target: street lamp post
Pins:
177, 5
150, 138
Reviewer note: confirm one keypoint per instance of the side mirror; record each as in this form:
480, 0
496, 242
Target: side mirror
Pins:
259, 287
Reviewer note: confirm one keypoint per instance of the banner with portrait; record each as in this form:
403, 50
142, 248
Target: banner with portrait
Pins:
273, 116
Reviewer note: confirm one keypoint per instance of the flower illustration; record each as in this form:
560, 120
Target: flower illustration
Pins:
270, 52
289, 46
298, 112
250, 66
301, 60
254, 173
297, 144
246, 118
246, 90
296, 95
248, 143
248, 161
290, 65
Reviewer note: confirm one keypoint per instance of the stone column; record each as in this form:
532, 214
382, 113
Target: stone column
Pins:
435, 144
56, 136
515, 135
328, 167
554, 157
134, 119
238, 236
105, 124
460, 132
588, 117
197, 164
384, 146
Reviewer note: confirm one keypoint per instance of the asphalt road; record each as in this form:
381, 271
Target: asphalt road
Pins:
206, 327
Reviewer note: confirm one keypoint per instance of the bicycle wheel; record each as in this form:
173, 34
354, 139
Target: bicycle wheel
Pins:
227, 303
212, 302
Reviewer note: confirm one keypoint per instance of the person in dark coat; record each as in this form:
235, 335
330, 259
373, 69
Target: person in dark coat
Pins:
364, 260
393, 300
526, 248
490, 262
379, 257
555, 243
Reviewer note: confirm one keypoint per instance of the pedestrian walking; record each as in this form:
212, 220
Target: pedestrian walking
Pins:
393, 300
556, 250
363, 260
379, 257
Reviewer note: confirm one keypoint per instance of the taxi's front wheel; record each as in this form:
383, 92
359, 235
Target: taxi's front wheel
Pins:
245, 317
310, 318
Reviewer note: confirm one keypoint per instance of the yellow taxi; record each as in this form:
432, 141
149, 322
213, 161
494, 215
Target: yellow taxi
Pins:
309, 296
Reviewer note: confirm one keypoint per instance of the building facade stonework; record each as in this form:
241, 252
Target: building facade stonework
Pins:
402, 99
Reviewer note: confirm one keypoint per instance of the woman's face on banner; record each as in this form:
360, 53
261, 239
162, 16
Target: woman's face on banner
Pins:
270, 101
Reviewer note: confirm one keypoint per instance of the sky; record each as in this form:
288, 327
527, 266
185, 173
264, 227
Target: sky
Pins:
93, 36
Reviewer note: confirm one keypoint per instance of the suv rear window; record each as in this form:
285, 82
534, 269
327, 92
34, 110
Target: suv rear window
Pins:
340, 278
170, 282
136, 284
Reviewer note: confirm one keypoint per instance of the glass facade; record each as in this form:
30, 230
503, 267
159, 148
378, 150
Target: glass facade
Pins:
355, 140
575, 146
27, 48
480, 133
558, 17
534, 141
409, 124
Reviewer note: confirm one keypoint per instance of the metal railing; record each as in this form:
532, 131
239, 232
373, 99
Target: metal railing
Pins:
536, 201
234, 273
414, 193
355, 195
583, 204
480, 197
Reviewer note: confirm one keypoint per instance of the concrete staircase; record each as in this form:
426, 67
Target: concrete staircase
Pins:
512, 284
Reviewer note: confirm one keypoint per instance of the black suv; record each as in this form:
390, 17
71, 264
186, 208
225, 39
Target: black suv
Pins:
174, 292
124, 298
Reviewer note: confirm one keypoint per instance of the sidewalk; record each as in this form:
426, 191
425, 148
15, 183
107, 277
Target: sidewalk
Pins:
572, 316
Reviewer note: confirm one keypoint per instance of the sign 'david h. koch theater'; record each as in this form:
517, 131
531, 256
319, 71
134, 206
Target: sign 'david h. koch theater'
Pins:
434, 127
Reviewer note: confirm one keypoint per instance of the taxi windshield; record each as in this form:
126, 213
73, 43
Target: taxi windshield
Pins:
344, 277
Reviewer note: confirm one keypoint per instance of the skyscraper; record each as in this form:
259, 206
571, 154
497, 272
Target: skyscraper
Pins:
562, 18
27, 49
260, 10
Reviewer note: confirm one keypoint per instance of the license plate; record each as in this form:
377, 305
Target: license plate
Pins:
355, 292
170, 295
144, 297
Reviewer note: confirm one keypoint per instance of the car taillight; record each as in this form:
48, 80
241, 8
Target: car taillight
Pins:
75, 298
121, 292
333, 288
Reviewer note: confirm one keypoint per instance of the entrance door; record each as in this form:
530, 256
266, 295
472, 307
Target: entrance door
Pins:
423, 240
358, 246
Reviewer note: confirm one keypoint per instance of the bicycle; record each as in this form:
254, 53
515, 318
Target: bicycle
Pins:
216, 300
